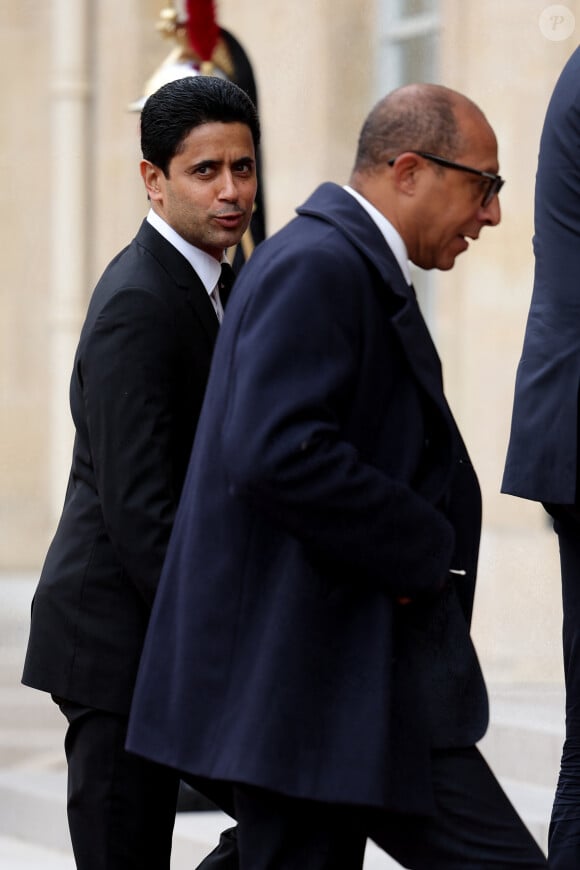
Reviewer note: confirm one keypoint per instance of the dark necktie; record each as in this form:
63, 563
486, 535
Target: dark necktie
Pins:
226, 281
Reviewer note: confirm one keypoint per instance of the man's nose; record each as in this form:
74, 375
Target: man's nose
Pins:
228, 189
491, 213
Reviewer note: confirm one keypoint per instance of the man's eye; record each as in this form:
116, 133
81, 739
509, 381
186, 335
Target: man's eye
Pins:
479, 186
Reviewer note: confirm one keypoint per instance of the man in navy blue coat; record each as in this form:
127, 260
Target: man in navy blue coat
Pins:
542, 460
309, 649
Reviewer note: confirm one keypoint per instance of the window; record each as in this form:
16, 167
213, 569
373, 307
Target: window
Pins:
408, 43
408, 51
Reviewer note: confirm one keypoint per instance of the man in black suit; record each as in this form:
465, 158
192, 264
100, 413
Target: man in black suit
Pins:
137, 386
542, 462
309, 651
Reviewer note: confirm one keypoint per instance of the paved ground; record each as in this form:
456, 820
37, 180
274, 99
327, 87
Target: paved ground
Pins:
17, 855
30, 732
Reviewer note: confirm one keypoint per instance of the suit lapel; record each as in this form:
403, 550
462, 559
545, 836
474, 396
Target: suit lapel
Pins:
183, 275
418, 347
338, 207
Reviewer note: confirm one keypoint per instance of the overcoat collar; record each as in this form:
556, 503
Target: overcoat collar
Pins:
181, 273
335, 206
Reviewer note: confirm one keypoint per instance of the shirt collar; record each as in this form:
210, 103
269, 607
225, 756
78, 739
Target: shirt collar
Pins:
206, 267
391, 235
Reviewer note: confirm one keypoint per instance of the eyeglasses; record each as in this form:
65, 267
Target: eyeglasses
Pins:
494, 182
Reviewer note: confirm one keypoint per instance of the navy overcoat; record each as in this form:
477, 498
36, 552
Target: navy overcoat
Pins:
327, 479
542, 459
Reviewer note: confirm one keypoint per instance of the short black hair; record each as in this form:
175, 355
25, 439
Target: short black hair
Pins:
170, 114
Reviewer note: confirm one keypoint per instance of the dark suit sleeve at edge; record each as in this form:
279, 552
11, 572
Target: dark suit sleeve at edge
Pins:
127, 374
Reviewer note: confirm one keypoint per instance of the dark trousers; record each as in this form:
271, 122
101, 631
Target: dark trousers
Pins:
564, 835
475, 828
121, 808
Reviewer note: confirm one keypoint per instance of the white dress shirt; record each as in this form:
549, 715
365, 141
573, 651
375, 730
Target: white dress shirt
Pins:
206, 267
391, 235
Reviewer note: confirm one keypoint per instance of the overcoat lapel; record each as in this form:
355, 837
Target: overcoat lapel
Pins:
182, 274
338, 207
334, 205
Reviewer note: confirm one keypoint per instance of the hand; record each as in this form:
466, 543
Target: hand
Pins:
404, 601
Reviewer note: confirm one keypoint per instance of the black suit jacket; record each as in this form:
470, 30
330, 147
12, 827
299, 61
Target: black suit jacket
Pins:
327, 479
136, 390
542, 459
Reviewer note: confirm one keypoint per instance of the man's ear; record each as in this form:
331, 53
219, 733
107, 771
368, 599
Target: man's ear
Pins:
152, 176
406, 169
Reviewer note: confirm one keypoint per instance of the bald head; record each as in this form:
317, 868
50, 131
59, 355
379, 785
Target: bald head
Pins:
425, 160
420, 117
